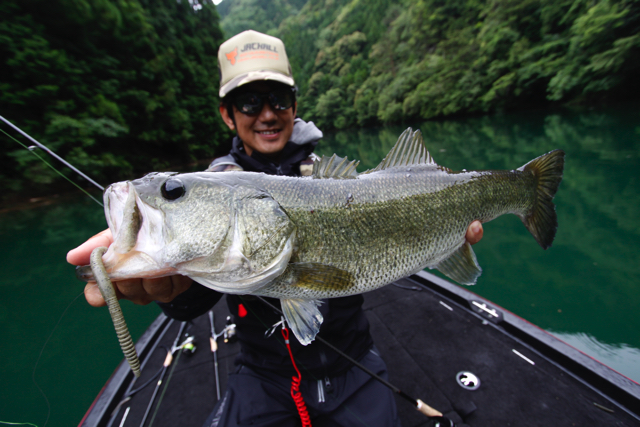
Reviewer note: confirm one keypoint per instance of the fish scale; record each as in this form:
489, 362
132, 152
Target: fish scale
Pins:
396, 225
333, 234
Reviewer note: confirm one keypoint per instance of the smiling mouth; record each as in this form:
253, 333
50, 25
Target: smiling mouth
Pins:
268, 132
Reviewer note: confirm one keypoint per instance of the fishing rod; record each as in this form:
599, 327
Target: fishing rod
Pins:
130, 394
214, 350
51, 153
228, 332
165, 366
419, 404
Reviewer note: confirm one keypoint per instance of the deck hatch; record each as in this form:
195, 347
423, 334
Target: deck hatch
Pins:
467, 380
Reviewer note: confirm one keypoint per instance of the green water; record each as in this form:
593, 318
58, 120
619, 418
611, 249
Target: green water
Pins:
585, 289
37, 285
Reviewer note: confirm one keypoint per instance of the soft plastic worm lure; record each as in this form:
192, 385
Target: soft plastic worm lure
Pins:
109, 295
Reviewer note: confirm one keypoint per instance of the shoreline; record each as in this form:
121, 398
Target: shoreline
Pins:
16, 202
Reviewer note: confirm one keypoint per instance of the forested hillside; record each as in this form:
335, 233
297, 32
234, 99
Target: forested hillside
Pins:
117, 87
380, 61
122, 87
259, 15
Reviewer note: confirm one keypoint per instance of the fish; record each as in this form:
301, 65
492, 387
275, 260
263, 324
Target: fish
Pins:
332, 234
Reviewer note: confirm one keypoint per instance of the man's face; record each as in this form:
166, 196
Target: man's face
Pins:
266, 131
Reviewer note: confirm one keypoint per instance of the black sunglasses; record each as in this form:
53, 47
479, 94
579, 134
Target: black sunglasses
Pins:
252, 102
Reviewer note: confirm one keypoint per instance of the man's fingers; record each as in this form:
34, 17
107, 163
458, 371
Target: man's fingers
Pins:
180, 284
165, 289
134, 290
131, 290
144, 291
159, 289
141, 291
474, 232
81, 254
93, 295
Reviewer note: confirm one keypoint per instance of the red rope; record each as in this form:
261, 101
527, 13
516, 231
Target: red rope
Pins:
295, 385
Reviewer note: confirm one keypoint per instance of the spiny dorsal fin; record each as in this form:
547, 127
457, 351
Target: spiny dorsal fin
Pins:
409, 150
335, 167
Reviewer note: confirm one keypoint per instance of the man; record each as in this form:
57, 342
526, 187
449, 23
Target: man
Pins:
258, 102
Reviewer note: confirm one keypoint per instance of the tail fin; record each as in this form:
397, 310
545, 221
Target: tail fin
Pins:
542, 221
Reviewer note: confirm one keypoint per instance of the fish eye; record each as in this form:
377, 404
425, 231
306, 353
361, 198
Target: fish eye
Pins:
172, 189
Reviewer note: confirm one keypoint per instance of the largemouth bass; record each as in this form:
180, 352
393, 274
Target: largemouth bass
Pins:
333, 234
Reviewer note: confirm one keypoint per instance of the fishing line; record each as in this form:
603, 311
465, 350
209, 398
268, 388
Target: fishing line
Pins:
53, 168
156, 375
127, 397
33, 374
18, 424
31, 149
43, 147
173, 348
164, 389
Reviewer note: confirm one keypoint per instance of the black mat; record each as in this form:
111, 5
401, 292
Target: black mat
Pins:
426, 344
425, 340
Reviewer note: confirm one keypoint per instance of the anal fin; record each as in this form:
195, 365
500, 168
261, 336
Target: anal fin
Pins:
303, 317
462, 266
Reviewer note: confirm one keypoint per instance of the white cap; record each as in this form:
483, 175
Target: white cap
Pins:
251, 56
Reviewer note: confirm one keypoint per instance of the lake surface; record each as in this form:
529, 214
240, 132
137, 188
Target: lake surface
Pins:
585, 289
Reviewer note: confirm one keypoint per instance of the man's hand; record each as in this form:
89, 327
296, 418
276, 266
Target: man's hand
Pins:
474, 232
140, 291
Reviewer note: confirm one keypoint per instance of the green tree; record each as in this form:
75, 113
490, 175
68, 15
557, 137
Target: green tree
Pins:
118, 88
259, 15
432, 58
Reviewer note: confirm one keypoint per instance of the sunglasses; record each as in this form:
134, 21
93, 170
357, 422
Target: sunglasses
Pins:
252, 102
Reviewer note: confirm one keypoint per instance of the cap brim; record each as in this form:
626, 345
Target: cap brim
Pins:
252, 77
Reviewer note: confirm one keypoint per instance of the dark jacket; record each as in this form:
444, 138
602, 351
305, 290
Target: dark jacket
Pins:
345, 324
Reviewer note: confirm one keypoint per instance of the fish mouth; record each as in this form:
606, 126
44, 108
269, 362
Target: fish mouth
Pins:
121, 207
137, 237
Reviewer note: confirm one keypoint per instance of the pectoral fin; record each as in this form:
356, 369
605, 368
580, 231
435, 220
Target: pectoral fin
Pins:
303, 318
462, 266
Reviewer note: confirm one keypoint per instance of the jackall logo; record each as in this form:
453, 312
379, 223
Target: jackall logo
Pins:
258, 46
231, 56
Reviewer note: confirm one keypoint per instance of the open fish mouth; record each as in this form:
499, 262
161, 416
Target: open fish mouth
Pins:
138, 237
121, 207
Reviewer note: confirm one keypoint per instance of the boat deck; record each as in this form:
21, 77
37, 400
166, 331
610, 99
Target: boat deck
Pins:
427, 331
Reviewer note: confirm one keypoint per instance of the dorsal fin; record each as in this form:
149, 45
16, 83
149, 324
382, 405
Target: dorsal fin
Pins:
335, 167
409, 150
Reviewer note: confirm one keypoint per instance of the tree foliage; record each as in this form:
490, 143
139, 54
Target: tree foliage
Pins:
121, 87
116, 87
259, 15
362, 63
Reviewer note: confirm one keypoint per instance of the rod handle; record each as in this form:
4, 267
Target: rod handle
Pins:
168, 359
427, 410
